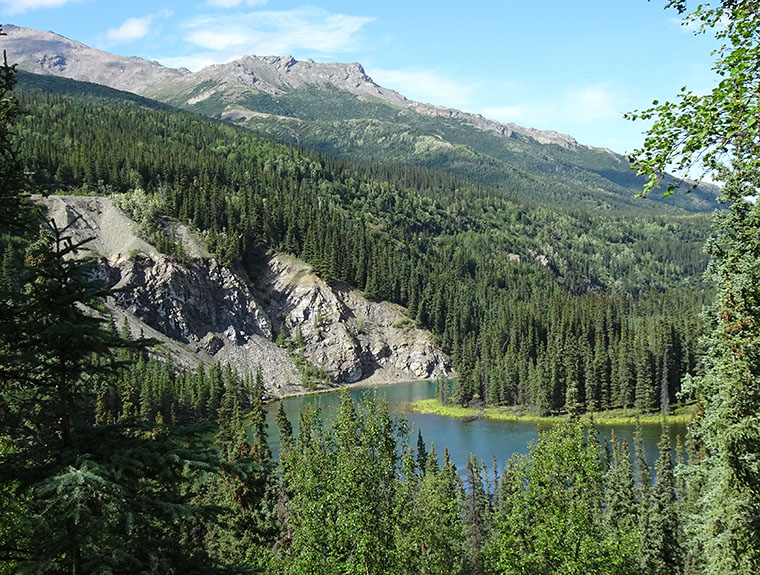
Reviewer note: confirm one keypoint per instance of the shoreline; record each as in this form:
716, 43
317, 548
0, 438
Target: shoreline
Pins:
680, 415
349, 386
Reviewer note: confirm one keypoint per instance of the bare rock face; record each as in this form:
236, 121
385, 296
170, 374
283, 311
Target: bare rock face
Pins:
209, 309
202, 311
351, 337
187, 302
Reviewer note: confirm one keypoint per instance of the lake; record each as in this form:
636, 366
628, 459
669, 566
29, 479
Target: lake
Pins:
482, 437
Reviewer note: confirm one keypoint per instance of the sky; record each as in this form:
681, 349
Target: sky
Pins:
570, 66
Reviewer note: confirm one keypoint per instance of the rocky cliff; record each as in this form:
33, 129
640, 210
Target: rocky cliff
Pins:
202, 311
354, 338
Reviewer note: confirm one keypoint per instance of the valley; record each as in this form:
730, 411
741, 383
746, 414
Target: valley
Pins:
535, 305
270, 316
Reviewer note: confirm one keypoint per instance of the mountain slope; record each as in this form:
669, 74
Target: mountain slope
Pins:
102, 143
338, 109
202, 311
513, 291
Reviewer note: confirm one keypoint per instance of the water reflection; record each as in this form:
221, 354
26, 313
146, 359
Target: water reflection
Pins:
486, 439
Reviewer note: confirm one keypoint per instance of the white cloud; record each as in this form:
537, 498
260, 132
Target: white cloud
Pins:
593, 114
427, 86
234, 3
219, 40
592, 103
308, 30
134, 28
19, 6
131, 30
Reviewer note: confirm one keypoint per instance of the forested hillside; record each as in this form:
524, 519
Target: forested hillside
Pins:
113, 459
338, 109
545, 308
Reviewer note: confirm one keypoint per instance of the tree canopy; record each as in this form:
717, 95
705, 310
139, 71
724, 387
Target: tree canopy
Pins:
720, 132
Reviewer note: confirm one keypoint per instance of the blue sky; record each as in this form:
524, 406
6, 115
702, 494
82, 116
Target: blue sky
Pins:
574, 67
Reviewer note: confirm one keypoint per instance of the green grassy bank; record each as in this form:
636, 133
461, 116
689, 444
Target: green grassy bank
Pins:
680, 414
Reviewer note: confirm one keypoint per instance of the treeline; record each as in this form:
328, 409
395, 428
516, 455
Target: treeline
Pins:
361, 497
364, 495
539, 307
155, 390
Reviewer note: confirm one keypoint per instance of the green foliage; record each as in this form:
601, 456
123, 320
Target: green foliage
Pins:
359, 129
79, 491
708, 131
554, 310
146, 210
550, 518
98, 496
720, 132
16, 212
342, 509
620, 510
506, 287
662, 550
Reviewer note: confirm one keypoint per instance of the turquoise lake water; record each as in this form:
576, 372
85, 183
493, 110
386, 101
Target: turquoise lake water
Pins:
484, 438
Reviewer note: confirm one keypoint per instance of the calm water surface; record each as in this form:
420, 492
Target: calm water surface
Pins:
484, 438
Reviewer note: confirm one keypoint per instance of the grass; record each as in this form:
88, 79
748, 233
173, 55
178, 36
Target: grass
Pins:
681, 414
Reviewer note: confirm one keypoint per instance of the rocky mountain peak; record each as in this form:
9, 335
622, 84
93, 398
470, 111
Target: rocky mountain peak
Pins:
277, 74
49, 53
52, 54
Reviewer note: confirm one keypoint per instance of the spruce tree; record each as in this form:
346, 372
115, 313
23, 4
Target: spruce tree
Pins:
16, 211
95, 498
421, 452
284, 426
661, 551
718, 131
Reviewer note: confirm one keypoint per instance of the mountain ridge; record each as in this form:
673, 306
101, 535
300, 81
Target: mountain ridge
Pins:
338, 109
269, 74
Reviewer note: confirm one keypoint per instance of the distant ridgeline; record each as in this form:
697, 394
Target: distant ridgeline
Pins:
544, 307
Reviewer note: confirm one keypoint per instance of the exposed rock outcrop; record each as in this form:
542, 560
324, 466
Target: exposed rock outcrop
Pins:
203, 311
189, 301
351, 337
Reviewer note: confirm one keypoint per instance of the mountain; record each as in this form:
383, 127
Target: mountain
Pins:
339, 109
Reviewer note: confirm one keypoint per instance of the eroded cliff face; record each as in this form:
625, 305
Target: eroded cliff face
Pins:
202, 311
353, 338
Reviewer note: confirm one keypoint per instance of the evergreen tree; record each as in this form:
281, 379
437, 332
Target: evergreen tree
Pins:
550, 513
661, 550
477, 511
620, 510
284, 426
718, 131
16, 212
96, 498
422, 455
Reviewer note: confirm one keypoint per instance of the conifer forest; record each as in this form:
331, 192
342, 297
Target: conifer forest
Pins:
114, 458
